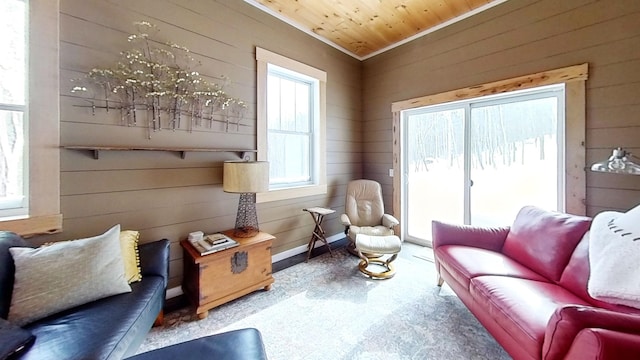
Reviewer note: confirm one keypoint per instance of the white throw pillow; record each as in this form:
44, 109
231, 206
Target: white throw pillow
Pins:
66, 274
614, 255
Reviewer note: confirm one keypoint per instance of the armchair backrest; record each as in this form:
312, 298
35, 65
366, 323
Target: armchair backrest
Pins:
363, 204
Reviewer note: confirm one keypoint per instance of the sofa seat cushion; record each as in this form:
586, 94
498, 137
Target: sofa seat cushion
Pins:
465, 263
103, 329
522, 307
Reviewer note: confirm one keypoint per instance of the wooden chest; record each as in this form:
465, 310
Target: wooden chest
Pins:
217, 278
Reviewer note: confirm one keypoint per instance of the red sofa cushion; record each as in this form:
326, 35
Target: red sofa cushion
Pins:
544, 240
521, 307
464, 263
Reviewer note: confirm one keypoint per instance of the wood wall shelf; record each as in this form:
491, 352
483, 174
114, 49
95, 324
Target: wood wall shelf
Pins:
242, 153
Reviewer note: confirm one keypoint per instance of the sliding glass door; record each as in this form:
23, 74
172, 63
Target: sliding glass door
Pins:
479, 161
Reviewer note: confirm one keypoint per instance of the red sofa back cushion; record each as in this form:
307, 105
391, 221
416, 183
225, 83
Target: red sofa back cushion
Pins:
576, 276
544, 240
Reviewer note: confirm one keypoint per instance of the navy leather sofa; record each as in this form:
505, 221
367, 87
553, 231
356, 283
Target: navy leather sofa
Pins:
110, 328
241, 344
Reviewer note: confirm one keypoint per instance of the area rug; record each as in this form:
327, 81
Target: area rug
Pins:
326, 309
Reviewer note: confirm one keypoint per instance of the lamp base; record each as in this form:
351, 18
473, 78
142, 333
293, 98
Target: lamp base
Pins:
247, 218
245, 232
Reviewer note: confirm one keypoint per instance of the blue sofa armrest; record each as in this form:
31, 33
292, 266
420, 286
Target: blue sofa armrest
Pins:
7, 268
154, 259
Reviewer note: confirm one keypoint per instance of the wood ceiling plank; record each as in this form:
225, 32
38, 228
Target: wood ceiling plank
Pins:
365, 26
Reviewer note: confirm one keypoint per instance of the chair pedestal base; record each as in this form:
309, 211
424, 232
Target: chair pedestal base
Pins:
387, 274
351, 247
372, 249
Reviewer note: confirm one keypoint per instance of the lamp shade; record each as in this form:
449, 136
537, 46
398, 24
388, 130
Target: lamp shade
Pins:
618, 163
245, 176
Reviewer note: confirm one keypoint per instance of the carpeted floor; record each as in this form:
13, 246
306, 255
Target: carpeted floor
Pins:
326, 309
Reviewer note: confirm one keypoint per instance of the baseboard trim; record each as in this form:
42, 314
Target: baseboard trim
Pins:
174, 292
303, 248
177, 291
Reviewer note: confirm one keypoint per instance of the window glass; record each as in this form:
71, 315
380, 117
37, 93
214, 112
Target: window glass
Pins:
12, 56
290, 123
12, 107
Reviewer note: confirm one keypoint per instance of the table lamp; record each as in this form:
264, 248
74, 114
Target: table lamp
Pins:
618, 163
246, 178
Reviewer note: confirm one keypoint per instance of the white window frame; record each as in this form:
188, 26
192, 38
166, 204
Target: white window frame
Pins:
319, 179
43, 117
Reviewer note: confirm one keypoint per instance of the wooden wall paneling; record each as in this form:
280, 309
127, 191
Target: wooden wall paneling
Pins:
613, 116
342, 134
613, 198
506, 18
617, 73
141, 200
170, 214
78, 160
604, 180
158, 192
525, 45
117, 135
610, 138
615, 95
337, 147
187, 26
126, 180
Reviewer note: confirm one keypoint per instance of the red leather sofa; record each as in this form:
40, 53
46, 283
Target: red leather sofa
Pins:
527, 285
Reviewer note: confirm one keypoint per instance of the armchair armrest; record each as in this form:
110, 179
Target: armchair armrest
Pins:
154, 259
604, 344
490, 238
389, 221
344, 218
567, 321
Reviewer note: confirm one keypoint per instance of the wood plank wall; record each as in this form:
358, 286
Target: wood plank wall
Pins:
518, 38
159, 193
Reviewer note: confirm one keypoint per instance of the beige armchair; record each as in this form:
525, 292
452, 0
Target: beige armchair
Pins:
364, 212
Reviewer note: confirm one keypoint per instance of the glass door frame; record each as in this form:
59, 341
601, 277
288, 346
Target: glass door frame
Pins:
555, 90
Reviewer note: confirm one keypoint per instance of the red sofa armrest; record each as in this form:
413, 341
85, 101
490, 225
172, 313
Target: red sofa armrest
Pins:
602, 344
567, 321
490, 238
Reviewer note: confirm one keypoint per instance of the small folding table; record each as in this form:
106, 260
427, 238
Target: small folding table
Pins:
318, 214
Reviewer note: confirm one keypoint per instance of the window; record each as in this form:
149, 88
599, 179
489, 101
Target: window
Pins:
570, 129
13, 129
29, 116
477, 161
291, 126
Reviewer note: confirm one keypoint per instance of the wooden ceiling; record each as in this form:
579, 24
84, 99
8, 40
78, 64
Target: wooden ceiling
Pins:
363, 28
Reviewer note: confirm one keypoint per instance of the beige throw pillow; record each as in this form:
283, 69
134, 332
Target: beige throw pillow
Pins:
130, 255
63, 275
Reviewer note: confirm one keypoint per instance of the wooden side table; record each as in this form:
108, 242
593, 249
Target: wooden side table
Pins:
318, 214
217, 278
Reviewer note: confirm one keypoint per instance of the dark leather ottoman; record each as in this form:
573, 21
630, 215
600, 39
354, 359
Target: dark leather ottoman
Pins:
243, 344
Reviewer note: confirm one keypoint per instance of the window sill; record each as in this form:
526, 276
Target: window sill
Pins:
291, 193
30, 226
